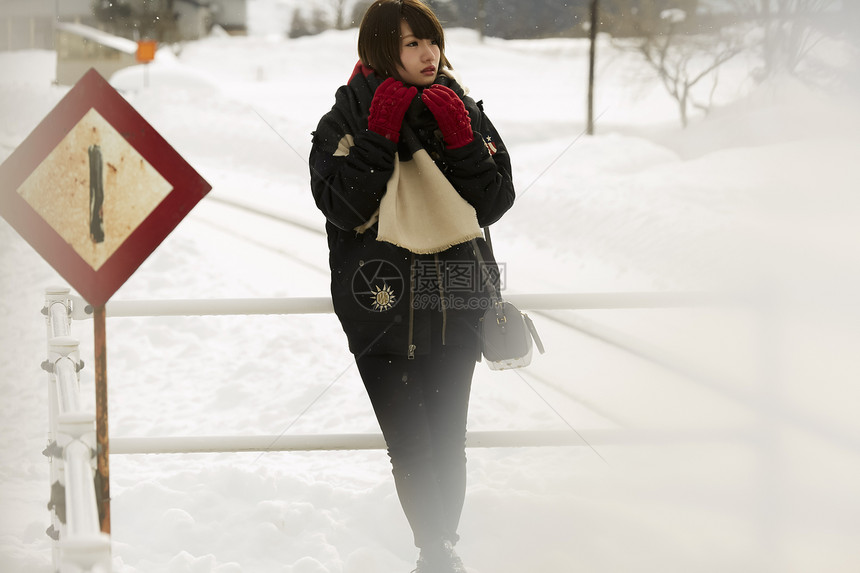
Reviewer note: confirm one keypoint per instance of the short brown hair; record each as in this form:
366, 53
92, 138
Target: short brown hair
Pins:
379, 33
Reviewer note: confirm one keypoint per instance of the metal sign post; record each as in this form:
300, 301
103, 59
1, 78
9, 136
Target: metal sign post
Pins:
103, 449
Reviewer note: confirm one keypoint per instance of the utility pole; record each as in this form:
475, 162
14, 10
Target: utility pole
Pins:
591, 57
482, 19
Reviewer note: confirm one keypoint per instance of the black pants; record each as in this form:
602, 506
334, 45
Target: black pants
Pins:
421, 405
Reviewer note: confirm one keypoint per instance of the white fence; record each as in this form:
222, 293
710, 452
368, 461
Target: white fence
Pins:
81, 547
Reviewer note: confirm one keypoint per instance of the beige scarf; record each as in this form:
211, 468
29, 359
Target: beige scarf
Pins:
420, 211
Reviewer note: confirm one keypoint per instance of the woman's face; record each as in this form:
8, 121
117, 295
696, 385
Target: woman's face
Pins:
420, 58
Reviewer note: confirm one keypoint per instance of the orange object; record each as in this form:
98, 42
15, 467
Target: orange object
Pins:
146, 50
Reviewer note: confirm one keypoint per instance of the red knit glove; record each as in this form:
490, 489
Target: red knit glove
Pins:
388, 107
450, 114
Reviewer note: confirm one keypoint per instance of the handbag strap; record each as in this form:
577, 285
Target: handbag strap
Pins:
489, 240
535, 336
498, 303
482, 268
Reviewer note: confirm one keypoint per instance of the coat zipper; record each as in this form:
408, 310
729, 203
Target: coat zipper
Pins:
410, 352
442, 304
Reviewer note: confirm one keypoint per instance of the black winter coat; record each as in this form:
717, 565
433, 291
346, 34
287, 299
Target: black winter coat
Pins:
389, 300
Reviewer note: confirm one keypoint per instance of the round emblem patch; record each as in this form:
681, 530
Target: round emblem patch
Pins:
377, 285
383, 298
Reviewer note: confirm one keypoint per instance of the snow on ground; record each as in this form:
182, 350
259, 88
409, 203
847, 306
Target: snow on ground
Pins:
760, 470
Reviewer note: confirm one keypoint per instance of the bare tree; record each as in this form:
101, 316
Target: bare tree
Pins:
684, 61
303, 25
339, 7
138, 19
358, 10
791, 29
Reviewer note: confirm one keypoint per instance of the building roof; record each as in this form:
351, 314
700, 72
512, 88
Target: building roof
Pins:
100, 37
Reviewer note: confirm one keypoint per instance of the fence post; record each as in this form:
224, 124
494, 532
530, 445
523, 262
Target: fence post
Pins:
58, 311
79, 545
84, 545
57, 323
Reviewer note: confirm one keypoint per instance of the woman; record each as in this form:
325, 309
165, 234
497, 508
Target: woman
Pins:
407, 169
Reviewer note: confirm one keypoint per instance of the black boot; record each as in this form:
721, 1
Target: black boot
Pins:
439, 558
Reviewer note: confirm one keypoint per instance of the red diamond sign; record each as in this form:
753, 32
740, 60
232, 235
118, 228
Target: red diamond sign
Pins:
95, 189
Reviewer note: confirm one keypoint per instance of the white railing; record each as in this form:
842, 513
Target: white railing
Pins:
323, 305
82, 548
490, 439
79, 546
